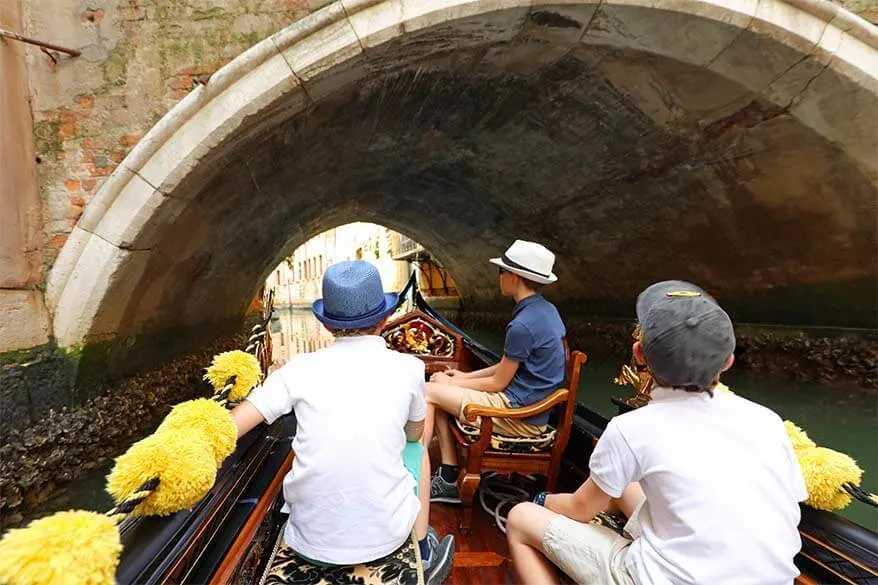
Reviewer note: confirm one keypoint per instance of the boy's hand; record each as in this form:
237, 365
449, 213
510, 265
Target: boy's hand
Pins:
451, 372
441, 378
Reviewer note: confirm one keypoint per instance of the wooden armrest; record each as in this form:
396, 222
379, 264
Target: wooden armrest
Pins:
433, 367
471, 411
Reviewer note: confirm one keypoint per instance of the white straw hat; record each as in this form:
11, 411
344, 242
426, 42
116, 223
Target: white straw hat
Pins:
528, 260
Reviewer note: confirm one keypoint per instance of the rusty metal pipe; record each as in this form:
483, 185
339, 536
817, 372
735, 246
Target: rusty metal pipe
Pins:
17, 37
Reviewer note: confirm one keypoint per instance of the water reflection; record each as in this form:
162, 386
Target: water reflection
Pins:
296, 331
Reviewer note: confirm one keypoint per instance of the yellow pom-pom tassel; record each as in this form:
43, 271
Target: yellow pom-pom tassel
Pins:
798, 437
242, 365
73, 548
183, 462
825, 472
210, 419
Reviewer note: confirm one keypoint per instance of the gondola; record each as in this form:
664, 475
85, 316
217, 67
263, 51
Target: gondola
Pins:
232, 535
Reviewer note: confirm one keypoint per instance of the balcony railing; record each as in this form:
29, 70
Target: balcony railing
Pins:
407, 247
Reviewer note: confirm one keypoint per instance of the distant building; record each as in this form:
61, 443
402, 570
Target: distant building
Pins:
292, 335
433, 279
298, 280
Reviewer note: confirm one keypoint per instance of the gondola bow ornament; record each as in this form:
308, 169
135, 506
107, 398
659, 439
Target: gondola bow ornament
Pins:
166, 472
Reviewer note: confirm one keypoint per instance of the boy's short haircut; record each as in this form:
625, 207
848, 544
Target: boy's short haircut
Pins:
533, 286
353, 332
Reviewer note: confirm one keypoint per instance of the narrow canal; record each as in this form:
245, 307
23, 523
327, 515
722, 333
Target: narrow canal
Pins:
839, 417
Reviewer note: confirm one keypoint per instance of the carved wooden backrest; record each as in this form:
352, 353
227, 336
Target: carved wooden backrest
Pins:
418, 334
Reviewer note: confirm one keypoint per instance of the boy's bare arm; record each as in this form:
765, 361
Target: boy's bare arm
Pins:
246, 417
414, 430
582, 505
483, 373
496, 382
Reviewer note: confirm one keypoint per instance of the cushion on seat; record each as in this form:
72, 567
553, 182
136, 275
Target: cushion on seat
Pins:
401, 567
536, 444
615, 522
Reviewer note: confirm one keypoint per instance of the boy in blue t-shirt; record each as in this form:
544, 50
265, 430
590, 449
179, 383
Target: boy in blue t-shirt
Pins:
532, 366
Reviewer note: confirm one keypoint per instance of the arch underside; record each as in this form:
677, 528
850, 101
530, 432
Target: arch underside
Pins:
632, 165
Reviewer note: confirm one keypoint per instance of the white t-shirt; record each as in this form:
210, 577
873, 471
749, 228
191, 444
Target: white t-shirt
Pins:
350, 498
722, 488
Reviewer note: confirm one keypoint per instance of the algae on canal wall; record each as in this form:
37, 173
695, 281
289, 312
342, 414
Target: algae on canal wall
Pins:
65, 443
785, 353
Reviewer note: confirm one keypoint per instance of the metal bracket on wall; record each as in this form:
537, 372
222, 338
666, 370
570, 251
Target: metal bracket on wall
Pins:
42, 44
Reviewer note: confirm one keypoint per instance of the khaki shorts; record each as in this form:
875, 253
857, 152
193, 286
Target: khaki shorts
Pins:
590, 553
505, 426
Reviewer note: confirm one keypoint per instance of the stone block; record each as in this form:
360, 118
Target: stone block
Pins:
99, 288
138, 215
841, 101
786, 87
549, 33
431, 43
64, 265
324, 52
468, 21
24, 321
692, 32
215, 115
374, 23
779, 36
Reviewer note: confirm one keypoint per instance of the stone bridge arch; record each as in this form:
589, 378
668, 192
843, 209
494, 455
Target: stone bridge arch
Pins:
727, 141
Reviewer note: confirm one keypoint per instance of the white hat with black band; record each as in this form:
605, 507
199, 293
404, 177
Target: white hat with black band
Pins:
528, 260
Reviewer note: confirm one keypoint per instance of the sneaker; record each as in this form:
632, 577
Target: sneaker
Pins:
437, 569
432, 537
442, 491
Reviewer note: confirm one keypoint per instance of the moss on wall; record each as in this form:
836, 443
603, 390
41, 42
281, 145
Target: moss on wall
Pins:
783, 353
64, 442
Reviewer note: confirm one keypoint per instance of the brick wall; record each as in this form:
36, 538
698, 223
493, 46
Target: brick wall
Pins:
139, 57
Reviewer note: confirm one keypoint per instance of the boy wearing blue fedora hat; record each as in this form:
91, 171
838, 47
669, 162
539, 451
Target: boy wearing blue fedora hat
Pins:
353, 490
532, 366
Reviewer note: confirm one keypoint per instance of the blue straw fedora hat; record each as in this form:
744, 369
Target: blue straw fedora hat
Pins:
353, 297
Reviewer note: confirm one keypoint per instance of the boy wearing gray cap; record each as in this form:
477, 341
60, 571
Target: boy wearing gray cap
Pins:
709, 481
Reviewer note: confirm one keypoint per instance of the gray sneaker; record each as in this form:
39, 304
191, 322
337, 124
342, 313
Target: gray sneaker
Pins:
442, 491
437, 569
432, 537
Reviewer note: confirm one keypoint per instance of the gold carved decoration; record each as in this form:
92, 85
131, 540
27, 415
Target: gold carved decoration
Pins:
419, 337
640, 379
636, 376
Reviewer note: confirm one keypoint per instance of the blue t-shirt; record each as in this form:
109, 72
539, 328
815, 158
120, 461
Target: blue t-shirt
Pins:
534, 338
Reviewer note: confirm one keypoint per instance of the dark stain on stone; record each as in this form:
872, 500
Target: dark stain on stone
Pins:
750, 115
553, 20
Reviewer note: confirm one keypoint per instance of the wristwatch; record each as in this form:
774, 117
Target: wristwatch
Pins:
540, 499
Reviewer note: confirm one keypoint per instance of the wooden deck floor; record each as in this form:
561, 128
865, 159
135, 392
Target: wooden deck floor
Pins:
481, 557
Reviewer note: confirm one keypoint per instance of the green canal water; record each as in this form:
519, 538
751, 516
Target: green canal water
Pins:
838, 417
